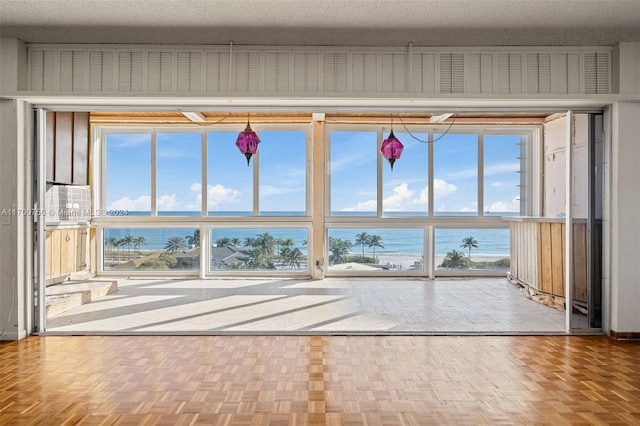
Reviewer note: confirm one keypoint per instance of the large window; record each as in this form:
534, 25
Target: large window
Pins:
442, 199
472, 249
283, 173
178, 174
455, 170
187, 180
128, 173
474, 174
502, 166
375, 250
354, 173
229, 179
170, 165
258, 249
450, 186
405, 189
151, 249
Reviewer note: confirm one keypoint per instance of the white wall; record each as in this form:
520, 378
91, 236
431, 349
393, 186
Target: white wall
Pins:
623, 276
625, 218
15, 292
555, 162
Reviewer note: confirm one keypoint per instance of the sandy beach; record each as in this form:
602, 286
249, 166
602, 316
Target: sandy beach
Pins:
406, 261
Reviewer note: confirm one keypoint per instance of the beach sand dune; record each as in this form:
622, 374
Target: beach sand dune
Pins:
403, 262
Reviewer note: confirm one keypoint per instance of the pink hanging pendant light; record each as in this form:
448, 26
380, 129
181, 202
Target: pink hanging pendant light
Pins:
247, 142
391, 148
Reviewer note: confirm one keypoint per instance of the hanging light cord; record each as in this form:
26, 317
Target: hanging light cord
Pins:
423, 141
207, 124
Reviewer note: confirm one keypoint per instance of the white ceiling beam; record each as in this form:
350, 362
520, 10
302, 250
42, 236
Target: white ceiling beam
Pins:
194, 117
440, 118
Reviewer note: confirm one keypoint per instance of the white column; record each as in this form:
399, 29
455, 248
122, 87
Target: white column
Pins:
15, 229
625, 218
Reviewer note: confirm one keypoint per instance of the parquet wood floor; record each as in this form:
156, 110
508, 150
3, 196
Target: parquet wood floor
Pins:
332, 380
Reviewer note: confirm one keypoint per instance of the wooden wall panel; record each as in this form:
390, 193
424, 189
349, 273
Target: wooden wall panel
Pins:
546, 282
80, 148
67, 251
50, 138
557, 258
55, 254
67, 145
537, 257
63, 147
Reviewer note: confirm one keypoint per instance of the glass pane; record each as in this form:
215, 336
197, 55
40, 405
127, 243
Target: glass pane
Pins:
154, 249
376, 250
405, 190
283, 176
229, 180
179, 174
479, 249
354, 173
253, 249
128, 173
501, 177
455, 182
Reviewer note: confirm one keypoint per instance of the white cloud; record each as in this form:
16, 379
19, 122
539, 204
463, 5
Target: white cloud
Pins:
196, 187
401, 195
142, 203
442, 188
218, 195
167, 202
365, 206
505, 206
473, 207
496, 184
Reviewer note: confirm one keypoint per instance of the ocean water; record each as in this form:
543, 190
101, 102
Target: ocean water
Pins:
396, 241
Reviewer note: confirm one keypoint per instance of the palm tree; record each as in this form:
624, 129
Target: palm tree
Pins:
469, 242
339, 249
194, 240
362, 239
267, 242
258, 259
118, 243
111, 243
236, 241
286, 244
294, 257
223, 241
375, 241
455, 260
127, 240
139, 241
249, 242
175, 244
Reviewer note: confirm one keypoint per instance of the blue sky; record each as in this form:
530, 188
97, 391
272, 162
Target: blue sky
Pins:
282, 173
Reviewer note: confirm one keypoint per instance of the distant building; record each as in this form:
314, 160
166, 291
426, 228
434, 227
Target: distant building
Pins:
224, 257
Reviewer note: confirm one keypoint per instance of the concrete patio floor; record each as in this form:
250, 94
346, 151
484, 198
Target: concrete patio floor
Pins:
329, 306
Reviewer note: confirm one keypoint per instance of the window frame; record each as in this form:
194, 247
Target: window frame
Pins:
204, 222
431, 222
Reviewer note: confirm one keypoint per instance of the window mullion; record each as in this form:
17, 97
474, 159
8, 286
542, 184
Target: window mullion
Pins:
481, 173
154, 211
379, 174
256, 184
203, 188
430, 161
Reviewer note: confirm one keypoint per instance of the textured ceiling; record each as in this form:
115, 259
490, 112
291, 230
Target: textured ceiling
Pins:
324, 22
